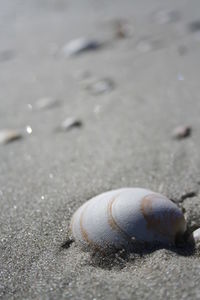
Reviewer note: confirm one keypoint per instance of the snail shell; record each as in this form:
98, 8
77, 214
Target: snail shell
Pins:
117, 218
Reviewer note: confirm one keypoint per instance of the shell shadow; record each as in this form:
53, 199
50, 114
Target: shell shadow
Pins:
119, 258
66, 244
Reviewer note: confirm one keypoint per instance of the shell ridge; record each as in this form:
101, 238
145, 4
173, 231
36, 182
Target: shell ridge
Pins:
84, 233
113, 223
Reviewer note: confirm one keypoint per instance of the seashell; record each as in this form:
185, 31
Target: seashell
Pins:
69, 123
80, 45
120, 218
182, 131
9, 135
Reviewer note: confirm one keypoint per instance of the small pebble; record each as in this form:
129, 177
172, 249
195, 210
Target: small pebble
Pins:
9, 135
194, 26
195, 237
46, 103
80, 45
120, 30
29, 129
100, 86
182, 131
70, 123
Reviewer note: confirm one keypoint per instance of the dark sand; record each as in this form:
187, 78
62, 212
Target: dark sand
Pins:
125, 141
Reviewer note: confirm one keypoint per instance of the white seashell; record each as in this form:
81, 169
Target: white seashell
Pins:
9, 135
117, 218
182, 131
80, 45
69, 123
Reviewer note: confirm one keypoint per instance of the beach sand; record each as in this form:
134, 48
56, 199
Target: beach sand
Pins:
125, 141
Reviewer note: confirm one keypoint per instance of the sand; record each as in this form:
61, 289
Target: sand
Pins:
126, 140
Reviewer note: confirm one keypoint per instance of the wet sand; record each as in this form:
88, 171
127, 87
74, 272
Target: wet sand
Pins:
125, 140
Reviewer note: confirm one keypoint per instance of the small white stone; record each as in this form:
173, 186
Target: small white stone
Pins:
195, 238
196, 235
29, 130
